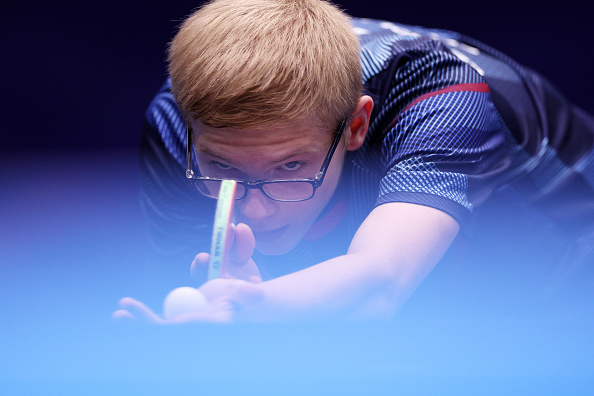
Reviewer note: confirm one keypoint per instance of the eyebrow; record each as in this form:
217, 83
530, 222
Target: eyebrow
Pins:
212, 154
283, 159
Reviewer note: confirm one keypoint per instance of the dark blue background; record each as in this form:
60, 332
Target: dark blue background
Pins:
77, 78
80, 74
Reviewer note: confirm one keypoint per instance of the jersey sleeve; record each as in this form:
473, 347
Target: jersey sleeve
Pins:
441, 138
443, 151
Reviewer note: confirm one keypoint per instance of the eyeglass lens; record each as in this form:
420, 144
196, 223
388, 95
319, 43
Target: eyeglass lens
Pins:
286, 191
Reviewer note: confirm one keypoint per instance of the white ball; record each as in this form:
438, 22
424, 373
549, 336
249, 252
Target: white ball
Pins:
183, 300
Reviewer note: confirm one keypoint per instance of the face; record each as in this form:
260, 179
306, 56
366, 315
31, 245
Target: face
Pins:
286, 152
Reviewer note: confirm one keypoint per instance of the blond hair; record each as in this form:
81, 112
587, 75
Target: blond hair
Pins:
254, 63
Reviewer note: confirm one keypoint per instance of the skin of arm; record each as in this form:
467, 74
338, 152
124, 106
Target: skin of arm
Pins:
392, 252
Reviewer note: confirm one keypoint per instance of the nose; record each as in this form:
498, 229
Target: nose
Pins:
256, 206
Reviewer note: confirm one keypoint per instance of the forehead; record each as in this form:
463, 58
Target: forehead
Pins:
283, 137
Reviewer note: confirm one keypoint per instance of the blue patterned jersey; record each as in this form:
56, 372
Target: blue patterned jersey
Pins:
454, 121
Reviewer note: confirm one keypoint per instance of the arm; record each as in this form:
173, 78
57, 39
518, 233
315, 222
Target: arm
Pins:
391, 253
442, 149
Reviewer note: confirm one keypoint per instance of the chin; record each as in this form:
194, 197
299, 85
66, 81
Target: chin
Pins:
276, 248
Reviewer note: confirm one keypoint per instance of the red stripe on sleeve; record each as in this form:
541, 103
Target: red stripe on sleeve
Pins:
474, 87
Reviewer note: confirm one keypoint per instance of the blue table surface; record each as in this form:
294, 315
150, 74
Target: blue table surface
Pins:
74, 239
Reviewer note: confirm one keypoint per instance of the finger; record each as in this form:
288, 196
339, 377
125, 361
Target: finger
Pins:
229, 242
199, 267
139, 311
244, 245
200, 264
122, 316
230, 237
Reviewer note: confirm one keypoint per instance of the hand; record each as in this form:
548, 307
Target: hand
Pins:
239, 264
226, 299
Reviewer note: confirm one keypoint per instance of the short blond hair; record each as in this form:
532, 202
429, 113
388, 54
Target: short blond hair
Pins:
254, 63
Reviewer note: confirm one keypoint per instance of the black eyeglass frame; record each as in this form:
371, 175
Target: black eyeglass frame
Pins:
315, 182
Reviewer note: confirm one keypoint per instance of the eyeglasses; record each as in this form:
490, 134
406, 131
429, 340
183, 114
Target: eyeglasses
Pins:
283, 190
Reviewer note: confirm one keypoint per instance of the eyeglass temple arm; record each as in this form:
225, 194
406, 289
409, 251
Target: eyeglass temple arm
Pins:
189, 172
328, 159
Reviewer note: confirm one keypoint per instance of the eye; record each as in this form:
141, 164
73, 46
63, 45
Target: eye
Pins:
291, 166
221, 166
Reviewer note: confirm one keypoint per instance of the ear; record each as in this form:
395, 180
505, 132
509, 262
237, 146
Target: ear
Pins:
359, 123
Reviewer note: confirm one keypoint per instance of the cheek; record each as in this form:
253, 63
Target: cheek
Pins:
330, 181
303, 214
314, 206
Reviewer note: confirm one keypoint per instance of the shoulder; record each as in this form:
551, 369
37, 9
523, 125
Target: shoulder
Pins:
383, 43
164, 117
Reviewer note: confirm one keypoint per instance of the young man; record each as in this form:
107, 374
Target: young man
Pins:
426, 124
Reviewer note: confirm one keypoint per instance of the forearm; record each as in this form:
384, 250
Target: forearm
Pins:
372, 281
338, 288
353, 286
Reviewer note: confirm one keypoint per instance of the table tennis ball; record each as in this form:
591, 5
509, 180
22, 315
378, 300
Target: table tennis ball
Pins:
183, 300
